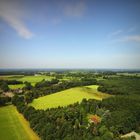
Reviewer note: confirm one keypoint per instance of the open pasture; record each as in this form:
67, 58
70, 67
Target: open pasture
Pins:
67, 97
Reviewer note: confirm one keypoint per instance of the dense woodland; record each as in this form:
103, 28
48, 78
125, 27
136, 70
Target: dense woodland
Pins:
117, 116
99, 120
123, 85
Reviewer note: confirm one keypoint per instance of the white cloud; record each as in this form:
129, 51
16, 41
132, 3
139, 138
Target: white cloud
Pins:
124, 36
11, 13
116, 33
75, 10
121, 32
132, 38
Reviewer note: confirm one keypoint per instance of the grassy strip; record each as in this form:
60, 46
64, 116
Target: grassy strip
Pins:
13, 126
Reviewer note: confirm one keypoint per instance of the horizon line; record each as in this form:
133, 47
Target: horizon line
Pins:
72, 68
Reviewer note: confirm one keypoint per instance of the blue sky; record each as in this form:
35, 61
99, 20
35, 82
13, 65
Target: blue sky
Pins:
70, 34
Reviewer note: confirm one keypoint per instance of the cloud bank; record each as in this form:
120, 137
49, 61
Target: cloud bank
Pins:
11, 13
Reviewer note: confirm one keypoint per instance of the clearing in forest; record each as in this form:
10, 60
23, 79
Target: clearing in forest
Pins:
67, 97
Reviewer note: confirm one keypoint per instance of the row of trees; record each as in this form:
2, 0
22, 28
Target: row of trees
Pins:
3, 86
4, 100
12, 82
44, 83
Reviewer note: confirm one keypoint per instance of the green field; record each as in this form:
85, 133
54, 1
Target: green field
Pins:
68, 96
35, 79
13, 126
16, 86
31, 79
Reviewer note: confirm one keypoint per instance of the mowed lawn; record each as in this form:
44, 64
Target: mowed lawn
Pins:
13, 126
68, 96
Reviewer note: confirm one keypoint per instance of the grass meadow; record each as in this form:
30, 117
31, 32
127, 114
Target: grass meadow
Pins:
67, 97
16, 86
13, 126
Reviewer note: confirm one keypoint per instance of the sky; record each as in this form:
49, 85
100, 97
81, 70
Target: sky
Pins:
70, 34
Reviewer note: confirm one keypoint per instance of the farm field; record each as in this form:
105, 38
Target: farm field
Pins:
16, 86
26, 78
35, 79
13, 126
68, 97
31, 79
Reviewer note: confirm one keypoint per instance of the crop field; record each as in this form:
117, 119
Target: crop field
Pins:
68, 97
13, 126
